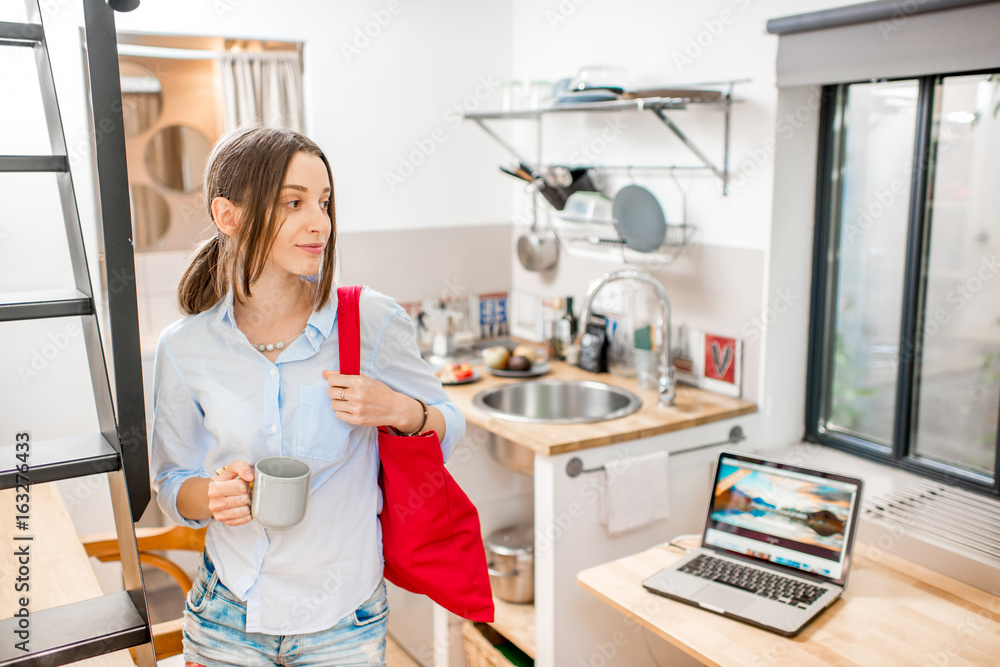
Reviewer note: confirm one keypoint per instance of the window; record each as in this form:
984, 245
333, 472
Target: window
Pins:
905, 327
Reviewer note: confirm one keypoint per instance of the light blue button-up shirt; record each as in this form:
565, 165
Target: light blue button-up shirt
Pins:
217, 399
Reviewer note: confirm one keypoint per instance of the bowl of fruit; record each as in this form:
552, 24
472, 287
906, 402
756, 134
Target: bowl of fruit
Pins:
522, 362
458, 374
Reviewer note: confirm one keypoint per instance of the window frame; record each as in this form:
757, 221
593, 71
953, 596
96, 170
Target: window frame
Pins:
825, 271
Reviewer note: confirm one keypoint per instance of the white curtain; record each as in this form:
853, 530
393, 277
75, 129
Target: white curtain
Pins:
263, 88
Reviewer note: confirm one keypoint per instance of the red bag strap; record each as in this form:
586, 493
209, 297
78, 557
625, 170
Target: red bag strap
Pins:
349, 329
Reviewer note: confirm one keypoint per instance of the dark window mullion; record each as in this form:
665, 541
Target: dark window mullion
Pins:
830, 148
996, 463
915, 275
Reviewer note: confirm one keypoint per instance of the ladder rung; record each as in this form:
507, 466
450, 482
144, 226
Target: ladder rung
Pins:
20, 33
26, 163
63, 458
43, 303
76, 631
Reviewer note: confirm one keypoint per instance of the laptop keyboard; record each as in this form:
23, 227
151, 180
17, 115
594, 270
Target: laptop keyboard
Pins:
755, 580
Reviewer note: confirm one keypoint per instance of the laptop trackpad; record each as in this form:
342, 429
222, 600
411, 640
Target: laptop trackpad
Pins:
720, 595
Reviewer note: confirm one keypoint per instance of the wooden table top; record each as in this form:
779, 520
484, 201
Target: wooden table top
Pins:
893, 612
60, 568
693, 407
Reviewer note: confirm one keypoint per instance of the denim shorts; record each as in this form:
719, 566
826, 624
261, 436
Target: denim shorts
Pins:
215, 632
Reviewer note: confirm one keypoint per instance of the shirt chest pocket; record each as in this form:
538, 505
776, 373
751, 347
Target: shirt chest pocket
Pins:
321, 434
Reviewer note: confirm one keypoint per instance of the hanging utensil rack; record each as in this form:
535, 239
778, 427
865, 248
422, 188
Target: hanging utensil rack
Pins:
580, 237
600, 239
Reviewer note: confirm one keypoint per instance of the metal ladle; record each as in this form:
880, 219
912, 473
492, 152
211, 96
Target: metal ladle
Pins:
538, 250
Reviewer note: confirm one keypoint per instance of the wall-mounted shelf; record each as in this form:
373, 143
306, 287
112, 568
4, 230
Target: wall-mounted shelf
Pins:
659, 106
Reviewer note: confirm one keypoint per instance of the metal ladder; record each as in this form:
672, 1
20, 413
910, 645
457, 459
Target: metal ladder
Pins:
113, 622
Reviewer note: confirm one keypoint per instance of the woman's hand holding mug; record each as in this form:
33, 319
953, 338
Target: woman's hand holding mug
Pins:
229, 494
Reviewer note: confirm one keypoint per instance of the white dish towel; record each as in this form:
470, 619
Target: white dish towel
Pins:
634, 492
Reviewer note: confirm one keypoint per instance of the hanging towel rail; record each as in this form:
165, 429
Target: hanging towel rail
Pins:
574, 467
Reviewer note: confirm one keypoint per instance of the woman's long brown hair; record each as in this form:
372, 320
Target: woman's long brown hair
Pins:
248, 168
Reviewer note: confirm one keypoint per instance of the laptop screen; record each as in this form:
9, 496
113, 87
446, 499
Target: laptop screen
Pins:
791, 516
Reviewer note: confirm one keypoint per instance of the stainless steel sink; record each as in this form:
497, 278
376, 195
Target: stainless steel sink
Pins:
557, 402
549, 402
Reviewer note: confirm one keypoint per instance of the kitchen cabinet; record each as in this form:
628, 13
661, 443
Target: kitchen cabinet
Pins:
566, 625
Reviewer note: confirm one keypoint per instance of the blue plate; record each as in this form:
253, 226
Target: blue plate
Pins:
580, 98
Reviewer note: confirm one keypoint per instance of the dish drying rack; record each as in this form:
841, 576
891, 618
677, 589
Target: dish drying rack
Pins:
600, 239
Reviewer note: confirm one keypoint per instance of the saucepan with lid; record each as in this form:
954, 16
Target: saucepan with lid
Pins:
510, 556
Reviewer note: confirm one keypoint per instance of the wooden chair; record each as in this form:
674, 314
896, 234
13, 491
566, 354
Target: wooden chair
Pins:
104, 546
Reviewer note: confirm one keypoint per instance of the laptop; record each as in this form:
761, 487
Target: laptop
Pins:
776, 547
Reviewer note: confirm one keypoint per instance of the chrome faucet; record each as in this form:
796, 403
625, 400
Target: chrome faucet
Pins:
666, 383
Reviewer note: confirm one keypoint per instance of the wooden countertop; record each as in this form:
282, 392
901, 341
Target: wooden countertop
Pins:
893, 612
693, 407
60, 568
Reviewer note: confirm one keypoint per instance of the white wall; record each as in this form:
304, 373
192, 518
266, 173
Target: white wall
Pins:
671, 43
721, 282
371, 107
789, 272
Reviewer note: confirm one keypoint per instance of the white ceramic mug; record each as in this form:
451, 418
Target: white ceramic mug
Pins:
280, 491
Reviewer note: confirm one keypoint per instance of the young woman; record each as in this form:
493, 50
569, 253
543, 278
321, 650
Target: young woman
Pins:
252, 371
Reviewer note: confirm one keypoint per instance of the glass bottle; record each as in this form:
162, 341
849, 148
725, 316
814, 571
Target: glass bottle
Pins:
570, 319
566, 328
553, 339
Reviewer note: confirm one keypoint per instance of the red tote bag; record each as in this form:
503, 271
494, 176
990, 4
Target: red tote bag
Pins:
431, 539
